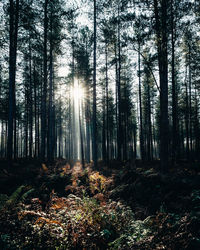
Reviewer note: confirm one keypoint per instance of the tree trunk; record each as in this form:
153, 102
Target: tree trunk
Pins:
30, 104
94, 91
81, 136
175, 133
50, 124
120, 131
44, 91
161, 33
187, 118
190, 104
140, 109
104, 127
13, 34
107, 108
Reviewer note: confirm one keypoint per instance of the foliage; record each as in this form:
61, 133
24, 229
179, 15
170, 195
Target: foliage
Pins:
89, 216
75, 221
3, 199
97, 182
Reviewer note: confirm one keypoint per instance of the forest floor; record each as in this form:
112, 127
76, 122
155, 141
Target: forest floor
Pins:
123, 206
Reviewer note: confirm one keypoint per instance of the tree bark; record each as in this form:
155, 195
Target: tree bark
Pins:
13, 34
94, 90
161, 33
44, 91
140, 109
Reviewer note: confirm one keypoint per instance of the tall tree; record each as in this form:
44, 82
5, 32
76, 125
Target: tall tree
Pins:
13, 36
44, 89
94, 128
161, 19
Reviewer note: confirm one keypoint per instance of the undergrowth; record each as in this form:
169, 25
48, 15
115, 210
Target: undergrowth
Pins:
84, 219
82, 209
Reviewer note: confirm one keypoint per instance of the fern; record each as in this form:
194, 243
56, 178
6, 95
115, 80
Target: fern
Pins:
15, 196
26, 194
42, 220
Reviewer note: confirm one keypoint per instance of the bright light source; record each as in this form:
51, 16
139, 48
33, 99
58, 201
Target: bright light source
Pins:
78, 92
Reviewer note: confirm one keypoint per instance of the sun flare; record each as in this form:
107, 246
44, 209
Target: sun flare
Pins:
78, 92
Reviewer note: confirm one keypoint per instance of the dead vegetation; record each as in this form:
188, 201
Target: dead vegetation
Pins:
64, 207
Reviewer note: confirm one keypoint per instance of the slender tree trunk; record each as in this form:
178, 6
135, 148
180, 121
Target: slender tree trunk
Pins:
140, 108
125, 124
69, 128
44, 91
74, 137
26, 122
135, 143
161, 32
15, 132
190, 104
88, 121
50, 124
120, 131
174, 92
81, 137
116, 102
196, 128
149, 125
187, 119
13, 34
35, 109
60, 130
2, 139
94, 91
30, 105
107, 108
104, 128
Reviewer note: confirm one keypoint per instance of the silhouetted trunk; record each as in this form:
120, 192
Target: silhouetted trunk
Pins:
15, 132
175, 132
26, 123
149, 140
2, 139
88, 122
182, 143
120, 132
135, 143
13, 34
44, 91
50, 124
94, 92
161, 33
187, 118
35, 109
81, 137
107, 108
190, 103
74, 134
116, 102
196, 129
125, 124
30, 104
70, 150
104, 127
140, 109
60, 144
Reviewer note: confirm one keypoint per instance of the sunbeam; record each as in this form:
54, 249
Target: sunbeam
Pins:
78, 92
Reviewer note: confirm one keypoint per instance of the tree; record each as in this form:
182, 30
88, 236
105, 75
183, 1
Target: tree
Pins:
44, 89
13, 36
161, 18
94, 128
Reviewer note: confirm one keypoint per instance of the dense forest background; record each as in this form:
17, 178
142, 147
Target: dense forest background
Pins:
100, 124
100, 80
